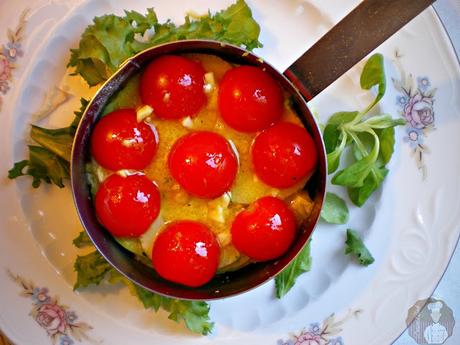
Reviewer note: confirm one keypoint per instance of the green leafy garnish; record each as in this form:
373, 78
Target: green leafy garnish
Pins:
82, 240
42, 165
286, 279
371, 139
355, 246
373, 74
112, 39
195, 314
93, 269
49, 162
334, 209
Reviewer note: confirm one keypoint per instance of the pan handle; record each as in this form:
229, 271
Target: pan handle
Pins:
348, 42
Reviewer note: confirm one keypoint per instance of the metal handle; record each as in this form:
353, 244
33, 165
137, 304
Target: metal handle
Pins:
348, 42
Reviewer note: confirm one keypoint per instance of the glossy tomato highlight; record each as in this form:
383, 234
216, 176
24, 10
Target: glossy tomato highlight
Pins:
173, 86
203, 163
186, 252
265, 230
249, 99
119, 142
127, 206
284, 154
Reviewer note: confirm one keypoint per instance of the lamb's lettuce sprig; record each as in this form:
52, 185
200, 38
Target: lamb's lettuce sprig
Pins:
370, 137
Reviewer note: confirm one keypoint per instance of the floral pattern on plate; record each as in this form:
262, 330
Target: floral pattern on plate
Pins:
9, 53
416, 106
328, 333
59, 322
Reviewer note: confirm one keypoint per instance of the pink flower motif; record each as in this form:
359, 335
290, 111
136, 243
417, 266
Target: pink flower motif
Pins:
419, 111
308, 338
52, 318
5, 69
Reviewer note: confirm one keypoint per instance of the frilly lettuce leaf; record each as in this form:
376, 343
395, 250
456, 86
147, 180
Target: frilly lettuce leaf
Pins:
112, 39
93, 269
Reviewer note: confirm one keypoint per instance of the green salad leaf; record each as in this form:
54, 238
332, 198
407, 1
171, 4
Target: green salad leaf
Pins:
371, 138
373, 74
334, 209
112, 39
355, 246
42, 165
286, 279
195, 314
93, 269
49, 162
82, 240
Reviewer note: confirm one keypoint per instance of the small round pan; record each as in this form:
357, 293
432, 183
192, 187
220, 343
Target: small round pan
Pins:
362, 30
222, 285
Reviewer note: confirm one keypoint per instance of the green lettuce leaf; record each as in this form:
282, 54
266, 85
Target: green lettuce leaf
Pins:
286, 279
93, 269
43, 166
334, 209
82, 240
355, 246
195, 314
49, 162
112, 39
373, 74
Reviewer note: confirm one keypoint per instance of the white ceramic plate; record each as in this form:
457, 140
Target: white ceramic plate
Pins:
411, 225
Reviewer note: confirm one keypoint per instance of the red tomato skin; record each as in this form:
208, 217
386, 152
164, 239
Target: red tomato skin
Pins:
118, 141
265, 230
127, 206
249, 99
203, 163
284, 154
186, 252
173, 86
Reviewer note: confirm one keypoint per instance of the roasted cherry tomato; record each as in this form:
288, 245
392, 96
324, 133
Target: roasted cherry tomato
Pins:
127, 206
203, 163
284, 154
173, 87
119, 142
187, 253
249, 99
265, 230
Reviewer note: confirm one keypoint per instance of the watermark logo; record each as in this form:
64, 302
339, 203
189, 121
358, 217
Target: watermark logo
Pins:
430, 321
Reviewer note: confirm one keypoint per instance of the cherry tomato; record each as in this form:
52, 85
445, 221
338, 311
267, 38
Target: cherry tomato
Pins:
119, 142
265, 230
203, 163
173, 87
284, 154
249, 99
186, 252
127, 206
